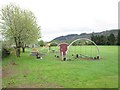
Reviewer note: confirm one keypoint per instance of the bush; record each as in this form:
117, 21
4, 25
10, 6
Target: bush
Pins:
5, 52
53, 44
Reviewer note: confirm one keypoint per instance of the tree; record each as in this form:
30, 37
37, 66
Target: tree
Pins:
31, 32
111, 39
54, 44
92, 37
95, 38
41, 43
19, 25
102, 40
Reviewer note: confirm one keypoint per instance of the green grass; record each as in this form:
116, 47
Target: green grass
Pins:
50, 72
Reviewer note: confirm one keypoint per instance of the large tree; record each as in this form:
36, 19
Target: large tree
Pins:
30, 33
19, 25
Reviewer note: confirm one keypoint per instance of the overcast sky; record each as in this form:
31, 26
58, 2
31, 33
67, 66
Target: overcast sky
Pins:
62, 17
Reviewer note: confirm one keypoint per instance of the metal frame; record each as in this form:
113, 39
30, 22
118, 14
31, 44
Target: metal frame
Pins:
98, 51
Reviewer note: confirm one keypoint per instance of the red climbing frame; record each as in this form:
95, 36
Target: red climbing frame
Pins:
63, 48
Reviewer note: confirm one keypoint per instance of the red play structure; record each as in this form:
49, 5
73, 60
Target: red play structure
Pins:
63, 50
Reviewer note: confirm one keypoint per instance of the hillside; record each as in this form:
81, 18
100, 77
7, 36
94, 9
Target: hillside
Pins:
71, 37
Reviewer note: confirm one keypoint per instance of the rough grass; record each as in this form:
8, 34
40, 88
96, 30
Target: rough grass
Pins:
28, 72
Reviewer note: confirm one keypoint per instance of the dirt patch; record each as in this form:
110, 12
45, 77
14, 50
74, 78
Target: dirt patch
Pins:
6, 73
7, 70
13, 63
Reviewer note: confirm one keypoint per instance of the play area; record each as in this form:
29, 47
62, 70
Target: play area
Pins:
83, 49
79, 64
51, 71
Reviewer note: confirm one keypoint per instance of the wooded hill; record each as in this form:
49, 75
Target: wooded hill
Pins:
69, 38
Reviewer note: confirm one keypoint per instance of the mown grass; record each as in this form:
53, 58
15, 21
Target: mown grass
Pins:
50, 72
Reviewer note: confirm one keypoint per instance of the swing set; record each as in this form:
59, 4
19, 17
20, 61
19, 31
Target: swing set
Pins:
82, 48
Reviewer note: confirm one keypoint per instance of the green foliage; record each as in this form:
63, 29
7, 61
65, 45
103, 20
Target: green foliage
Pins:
104, 40
6, 49
30, 33
5, 52
41, 43
54, 44
111, 39
19, 25
69, 38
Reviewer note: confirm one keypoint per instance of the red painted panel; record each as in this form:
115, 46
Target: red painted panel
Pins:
63, 48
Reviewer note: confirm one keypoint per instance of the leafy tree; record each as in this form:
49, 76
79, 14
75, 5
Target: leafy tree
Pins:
102, 40
41, 43
97, 39
54, 44
111, 39
19, 25
92, 37
31, 32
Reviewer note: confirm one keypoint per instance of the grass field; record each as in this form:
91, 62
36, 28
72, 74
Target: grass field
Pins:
50, 72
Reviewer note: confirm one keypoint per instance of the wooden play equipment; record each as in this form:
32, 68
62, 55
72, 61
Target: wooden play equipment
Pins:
34, 52
48, 45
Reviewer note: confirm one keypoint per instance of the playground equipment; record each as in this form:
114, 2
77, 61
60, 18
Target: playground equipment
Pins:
80, 48
63, 50
34, 52
48, 46
83, 48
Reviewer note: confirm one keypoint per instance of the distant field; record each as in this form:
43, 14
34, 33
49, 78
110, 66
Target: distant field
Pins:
50, 72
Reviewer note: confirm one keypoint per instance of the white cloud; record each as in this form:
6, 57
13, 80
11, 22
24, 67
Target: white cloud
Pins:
61, 17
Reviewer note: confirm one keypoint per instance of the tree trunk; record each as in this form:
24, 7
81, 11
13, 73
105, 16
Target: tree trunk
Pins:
17, 49
23, 49
18, 52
